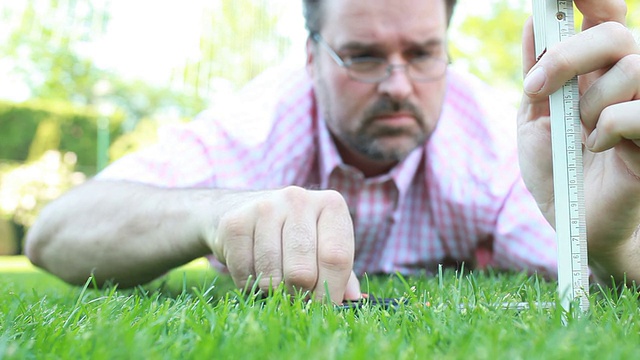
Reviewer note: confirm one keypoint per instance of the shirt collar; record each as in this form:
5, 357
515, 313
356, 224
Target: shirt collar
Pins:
329, 159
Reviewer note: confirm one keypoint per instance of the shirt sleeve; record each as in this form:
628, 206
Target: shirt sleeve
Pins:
178, 159
200, 153
225, 145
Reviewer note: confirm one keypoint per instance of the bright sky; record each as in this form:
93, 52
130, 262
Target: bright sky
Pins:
169, 33
146, 39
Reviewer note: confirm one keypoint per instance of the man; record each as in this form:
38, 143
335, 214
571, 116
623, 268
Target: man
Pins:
379, 158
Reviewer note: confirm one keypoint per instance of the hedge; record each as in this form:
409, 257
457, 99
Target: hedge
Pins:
29, 129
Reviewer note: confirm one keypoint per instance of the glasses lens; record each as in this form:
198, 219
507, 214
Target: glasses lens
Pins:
367, 69
375, 70
427, 68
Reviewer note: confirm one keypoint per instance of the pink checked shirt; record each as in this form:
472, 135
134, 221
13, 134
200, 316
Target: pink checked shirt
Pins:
457, 199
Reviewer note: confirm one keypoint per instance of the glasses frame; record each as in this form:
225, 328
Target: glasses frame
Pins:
346, 64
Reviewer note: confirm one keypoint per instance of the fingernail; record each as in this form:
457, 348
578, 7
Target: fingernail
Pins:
591, 140
534, 81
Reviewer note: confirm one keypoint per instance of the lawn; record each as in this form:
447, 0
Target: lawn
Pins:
194, 313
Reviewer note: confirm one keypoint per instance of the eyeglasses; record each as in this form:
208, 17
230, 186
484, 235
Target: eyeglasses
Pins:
373, 69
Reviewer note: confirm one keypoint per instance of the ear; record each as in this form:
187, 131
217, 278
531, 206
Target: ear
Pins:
310, 48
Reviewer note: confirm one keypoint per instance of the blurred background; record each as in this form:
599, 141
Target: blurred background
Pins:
84, 82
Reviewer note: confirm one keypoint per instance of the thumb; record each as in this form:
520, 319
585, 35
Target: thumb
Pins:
528, 46
352, 291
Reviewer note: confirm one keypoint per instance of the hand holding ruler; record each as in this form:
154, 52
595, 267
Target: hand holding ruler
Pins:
553, 22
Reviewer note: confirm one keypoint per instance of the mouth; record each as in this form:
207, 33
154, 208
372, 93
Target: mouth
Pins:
401, 119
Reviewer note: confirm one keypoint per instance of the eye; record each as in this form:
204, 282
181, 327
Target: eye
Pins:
419, 54
365, 56
366, 63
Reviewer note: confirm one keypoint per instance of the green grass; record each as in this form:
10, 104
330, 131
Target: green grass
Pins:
195, 314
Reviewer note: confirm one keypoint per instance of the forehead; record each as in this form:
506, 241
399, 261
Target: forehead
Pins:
381, 20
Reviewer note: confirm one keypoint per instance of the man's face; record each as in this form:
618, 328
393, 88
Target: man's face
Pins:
381, 121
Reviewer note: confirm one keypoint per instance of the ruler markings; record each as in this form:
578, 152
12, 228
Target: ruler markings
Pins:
553, 22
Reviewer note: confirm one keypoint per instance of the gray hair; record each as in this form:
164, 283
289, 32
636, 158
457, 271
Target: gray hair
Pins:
313, 16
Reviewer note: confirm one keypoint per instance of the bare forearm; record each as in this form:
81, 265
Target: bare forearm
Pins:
118, 231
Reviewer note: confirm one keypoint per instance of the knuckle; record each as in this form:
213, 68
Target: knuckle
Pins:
614, 9
616, 30
336, 257
606, 122
620, 34
267, 282
229, 229
295, 196
630, 66
336, 207
265, 207
589, 103
619, 7
301, 276
562, 62
334, 200
231, 225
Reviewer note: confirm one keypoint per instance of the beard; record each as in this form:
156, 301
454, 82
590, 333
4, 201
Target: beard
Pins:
368, 138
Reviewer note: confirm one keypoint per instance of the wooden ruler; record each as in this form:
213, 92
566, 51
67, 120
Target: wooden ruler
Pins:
553, 22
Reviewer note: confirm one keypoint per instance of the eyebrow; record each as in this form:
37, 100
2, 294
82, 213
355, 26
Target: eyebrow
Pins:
359, 46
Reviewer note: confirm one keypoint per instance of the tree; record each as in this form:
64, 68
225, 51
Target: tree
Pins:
239, 42
489, 45
46, 47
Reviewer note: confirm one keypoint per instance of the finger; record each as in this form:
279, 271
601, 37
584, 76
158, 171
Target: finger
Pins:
616, 122
335, 248
580, 54
599, 11
621, 83
353, 288
234, 247
299, 256
267, 245
531, 109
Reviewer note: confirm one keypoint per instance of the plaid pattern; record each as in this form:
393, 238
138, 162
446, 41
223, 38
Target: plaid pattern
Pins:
458, 199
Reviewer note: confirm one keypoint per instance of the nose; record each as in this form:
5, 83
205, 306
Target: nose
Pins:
398, 85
